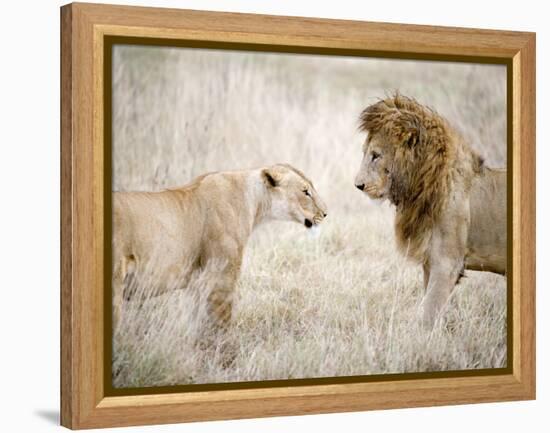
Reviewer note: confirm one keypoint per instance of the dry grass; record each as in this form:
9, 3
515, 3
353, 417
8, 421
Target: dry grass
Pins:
344, 303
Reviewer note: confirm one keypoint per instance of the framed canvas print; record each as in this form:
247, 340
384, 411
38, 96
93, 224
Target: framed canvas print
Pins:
267, 215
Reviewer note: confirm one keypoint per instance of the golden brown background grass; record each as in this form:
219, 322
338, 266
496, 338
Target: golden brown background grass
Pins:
343, 303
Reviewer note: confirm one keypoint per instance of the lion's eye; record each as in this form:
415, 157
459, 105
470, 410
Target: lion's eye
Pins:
306, 192
375, 156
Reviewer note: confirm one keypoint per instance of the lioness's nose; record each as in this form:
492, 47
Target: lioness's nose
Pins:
361, 187
324, 214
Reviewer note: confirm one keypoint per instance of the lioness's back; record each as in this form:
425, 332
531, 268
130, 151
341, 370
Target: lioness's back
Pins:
148, 223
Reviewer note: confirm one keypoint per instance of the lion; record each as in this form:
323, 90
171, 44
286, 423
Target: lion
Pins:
450, 207
203, 225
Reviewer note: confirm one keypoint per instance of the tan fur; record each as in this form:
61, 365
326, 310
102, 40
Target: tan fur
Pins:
450, 208
204, 226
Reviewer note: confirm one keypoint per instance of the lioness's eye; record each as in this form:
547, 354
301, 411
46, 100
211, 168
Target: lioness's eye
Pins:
306, 192
375, 156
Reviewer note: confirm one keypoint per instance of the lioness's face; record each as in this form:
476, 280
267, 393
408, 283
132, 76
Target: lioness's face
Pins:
374, 177
293, 197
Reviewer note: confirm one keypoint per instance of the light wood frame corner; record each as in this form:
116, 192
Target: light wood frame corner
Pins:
84, 27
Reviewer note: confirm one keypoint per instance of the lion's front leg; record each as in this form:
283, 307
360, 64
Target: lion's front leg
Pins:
446, 261
442, 279
426, 274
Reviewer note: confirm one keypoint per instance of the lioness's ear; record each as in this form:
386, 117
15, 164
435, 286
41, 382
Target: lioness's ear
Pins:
269, 178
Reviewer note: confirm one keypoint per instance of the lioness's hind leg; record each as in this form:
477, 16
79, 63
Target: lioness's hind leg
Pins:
120, 274
118, 297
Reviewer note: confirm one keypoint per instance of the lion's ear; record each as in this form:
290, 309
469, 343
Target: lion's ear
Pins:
413, 130
269, 178
411, 139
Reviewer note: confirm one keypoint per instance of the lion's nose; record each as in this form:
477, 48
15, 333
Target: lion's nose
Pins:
361, 187
324, 214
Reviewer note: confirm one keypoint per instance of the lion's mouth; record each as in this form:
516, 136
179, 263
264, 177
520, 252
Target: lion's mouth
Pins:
373, 193
308, 223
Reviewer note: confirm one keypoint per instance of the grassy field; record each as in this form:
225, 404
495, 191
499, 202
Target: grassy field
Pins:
342, 303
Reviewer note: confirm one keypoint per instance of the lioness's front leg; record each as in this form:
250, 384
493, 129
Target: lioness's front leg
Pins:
220, 300
222, 264
223, 275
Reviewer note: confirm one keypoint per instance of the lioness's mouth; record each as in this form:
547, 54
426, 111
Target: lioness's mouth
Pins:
308, 223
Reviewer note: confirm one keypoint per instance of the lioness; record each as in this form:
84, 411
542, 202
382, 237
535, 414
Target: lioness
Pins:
450, 207
204, 225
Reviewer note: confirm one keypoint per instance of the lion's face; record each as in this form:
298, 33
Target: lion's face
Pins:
293, 197
374, 176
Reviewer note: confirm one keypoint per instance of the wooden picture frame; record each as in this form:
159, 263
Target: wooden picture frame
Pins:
84, 30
